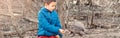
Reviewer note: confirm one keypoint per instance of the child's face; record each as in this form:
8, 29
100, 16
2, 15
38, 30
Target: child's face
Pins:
51, 6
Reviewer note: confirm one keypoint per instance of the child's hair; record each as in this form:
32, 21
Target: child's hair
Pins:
49, 1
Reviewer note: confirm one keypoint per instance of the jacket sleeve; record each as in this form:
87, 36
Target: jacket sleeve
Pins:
58, 24
45, 24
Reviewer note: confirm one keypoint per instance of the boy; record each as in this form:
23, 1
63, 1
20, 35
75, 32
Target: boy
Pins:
49, 24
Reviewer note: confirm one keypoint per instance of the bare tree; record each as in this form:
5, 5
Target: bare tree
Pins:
91, 7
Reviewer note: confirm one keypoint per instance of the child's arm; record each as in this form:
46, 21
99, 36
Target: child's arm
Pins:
58, 24
44, 24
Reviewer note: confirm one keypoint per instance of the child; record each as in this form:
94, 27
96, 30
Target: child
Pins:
49, 24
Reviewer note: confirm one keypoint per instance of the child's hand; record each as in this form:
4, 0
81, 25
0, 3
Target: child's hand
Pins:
61, 31
57, 36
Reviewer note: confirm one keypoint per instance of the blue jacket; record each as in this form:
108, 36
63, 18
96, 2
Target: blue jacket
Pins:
48, 23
